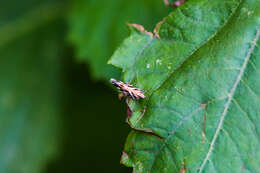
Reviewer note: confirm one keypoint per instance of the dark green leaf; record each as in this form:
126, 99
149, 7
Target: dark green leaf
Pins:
30, 77
202, 83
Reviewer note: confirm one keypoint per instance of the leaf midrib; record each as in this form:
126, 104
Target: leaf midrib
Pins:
188, 56
199, 47
185, 59
178, 67
230, 97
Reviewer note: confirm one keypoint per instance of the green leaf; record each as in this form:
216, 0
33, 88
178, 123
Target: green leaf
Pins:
30, 77
201, 79
97, 28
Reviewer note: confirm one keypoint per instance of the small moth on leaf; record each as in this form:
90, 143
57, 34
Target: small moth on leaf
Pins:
128, 90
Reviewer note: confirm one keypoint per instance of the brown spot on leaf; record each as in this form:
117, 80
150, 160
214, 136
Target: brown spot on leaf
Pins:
155, 31
179, 2
203, 106
141, 29
204, 125
183, 169
204, 122
242, 168
189, 131
173, 4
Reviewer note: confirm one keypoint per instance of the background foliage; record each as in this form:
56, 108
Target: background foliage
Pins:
58, 113
55, 117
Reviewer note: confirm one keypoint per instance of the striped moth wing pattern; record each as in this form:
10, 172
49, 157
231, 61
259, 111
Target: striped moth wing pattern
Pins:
128, 90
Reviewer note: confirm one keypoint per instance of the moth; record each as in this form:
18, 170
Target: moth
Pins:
128, 90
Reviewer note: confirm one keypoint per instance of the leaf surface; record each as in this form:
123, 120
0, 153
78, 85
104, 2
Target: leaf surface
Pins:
201, 79
97, 28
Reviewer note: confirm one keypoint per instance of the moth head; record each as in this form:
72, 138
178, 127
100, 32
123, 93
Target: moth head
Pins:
114, 82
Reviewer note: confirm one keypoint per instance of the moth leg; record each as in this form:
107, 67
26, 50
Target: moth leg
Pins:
127, 101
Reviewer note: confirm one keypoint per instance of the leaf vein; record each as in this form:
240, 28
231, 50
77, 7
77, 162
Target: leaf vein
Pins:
194, 51
215, 170
248, 117
230, 96
141, 52
174, 130
249, 88
236, 146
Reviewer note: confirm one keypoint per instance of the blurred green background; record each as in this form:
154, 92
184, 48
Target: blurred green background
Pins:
58, 113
